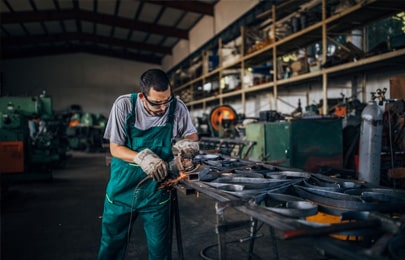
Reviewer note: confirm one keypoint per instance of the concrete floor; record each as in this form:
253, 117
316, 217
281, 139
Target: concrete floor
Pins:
60, 219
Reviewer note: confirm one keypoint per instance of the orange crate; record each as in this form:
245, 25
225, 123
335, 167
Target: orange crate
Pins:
11, 157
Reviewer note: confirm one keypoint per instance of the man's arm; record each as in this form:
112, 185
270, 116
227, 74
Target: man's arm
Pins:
193, 137
122, 152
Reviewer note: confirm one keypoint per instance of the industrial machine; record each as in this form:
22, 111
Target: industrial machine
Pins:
85, 131
31, 137
219, 133
222, 121
306, 144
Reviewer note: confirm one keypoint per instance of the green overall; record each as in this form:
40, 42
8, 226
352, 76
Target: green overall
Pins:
146, 201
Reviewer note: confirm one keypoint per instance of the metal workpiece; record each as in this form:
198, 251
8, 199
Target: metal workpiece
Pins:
286, 205
378, 194
343, 183
387, 223
347, 202
287, 200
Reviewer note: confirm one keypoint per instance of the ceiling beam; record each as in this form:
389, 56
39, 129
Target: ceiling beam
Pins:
189, 6
37, 39
48, 51
44, 16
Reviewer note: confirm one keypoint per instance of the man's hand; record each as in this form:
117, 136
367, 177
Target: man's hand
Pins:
151, 164
188, 148
184, 152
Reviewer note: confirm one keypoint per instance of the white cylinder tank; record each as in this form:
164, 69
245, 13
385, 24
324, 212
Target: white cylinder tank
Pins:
370, 143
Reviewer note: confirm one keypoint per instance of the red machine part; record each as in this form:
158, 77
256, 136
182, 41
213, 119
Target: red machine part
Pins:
220, 114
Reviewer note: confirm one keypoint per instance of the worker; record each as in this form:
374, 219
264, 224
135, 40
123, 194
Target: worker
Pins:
141, 129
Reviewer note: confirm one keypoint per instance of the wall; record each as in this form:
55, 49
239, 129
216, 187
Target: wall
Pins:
226, 12
88, 80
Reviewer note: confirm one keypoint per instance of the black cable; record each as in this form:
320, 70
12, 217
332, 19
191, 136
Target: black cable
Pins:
132, 205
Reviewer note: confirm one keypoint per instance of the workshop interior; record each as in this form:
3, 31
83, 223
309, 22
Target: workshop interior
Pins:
299, 107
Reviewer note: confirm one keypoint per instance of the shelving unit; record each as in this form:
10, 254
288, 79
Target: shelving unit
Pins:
319, 32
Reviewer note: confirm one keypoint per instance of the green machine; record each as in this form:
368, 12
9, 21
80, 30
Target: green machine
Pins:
30, 136
85, 131
306, 144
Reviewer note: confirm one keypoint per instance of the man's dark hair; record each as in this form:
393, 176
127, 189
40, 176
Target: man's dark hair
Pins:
154, 78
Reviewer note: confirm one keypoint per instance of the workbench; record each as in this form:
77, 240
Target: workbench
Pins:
281, 227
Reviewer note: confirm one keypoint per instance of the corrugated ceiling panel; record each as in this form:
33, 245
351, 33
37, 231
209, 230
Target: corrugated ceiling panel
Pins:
14, 29
53, 27
170, 17
65, 4
70, 26
87, 27
138, 36
149, 12
3, 7
45, 4
188, 20
120, 33
154, 39
106, 7
104, 30
34, 28
128, 9
169, 41
86, 5
20, 5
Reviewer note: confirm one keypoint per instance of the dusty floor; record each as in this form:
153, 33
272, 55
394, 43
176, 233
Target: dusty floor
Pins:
60, 219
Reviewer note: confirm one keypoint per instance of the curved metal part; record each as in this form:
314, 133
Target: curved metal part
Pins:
296, 209
329, 187
379, 194
208, 174
330, 194
349, 184
224, 186
247, 175
208, 157
292, 174
252, 194
287, 205
317, 182
346, 201
246, 194
231, 187
275, 175
251, 183
372, 196
388, 223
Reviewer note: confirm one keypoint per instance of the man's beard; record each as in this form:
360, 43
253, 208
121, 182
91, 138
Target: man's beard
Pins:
158, 113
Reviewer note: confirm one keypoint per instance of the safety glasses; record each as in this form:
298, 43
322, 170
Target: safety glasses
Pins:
159, 104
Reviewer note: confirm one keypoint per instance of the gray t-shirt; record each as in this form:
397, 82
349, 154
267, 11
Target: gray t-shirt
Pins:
115, 129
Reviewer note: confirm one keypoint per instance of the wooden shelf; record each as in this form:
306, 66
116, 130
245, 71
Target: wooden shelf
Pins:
340, 23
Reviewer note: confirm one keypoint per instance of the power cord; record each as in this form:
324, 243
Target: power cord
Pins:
132, 206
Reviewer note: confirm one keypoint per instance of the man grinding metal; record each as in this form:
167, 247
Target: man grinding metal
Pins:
141, 129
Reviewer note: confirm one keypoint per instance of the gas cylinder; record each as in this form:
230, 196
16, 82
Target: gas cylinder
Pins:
370, 143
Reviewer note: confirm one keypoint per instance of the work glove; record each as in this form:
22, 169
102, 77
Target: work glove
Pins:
151, 164
184, 152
